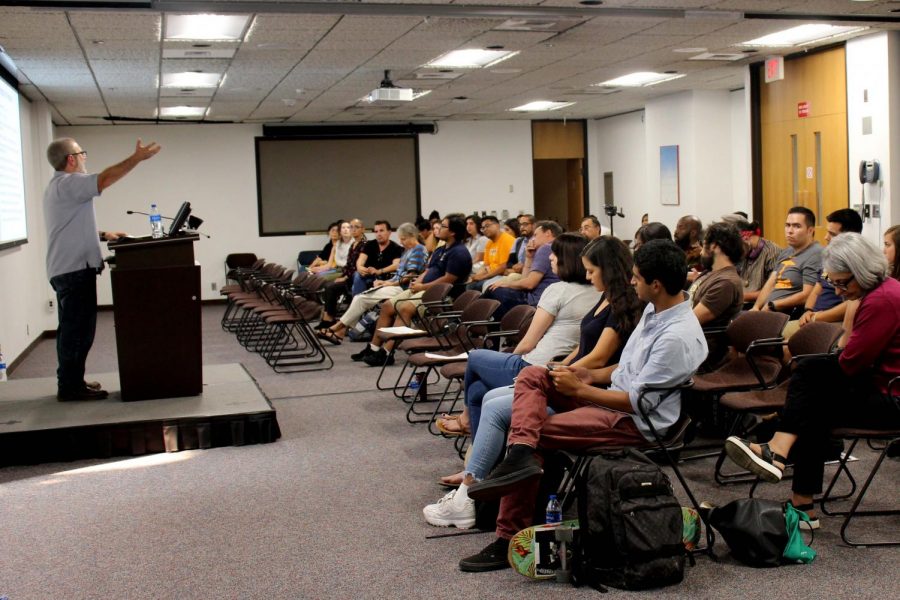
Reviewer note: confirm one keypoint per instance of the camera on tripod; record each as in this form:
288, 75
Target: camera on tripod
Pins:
611, 211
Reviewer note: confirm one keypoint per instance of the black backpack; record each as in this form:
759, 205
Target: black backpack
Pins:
630, 525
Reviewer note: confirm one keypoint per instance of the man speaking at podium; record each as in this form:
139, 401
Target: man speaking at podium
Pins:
74, 257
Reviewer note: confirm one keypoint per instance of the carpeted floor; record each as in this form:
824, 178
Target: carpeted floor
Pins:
332, 510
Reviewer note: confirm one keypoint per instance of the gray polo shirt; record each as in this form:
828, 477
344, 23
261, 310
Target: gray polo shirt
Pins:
72, 240
794, 270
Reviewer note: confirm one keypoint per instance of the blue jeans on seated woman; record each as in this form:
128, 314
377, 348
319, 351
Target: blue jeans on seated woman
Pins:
488, 370
488, 445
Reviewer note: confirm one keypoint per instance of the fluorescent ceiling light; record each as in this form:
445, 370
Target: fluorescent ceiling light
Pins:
182, 111
190, 80
473, 58
640, 79
419, 93
205, 27
538, 105
803, 35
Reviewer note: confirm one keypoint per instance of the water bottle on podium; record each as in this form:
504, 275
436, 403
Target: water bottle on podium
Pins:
156, 226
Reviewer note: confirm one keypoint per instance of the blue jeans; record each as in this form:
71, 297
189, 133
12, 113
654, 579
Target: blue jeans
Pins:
487, 370
76, 300
361, 283
488, 445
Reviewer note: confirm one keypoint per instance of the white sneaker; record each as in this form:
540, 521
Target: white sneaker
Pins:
450, 511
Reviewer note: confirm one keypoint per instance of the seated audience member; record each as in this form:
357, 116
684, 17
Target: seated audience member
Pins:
604, 331
378, 260
591, 228
823, 304
536, 273
450, 263
323, 261
848, 390
436, 241
426, 234
719, 294
688, 232
760, 257
798, 266
333, 290
475, 242
511, 227
339, 251
412, 262
664, 350
891, 241
517, 256
645, 218
496, 254
648, 232
553, 331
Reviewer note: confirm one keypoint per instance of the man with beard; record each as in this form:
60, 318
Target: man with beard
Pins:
719, 293
687, 237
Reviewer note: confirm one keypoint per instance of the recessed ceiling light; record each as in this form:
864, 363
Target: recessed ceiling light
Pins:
803, 35
539, 105
182, 111
640, 79
205, 27
191, 79
472, 58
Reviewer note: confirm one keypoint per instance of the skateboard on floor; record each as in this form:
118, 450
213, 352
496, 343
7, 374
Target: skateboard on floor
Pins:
545, 551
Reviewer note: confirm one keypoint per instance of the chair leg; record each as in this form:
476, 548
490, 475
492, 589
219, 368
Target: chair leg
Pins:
841, 468
854, 511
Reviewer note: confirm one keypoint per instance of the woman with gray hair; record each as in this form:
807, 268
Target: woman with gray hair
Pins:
412, 262
850, 388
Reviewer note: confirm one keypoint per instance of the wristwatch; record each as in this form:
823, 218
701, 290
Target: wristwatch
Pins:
771, 306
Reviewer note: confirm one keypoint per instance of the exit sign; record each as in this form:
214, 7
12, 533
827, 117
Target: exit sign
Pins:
803, 109
774, 68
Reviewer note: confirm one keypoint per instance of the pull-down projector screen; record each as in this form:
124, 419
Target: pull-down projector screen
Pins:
305, 184
12, 181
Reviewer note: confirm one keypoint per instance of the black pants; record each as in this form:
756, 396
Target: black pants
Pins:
821, 396
331, 295
76, 299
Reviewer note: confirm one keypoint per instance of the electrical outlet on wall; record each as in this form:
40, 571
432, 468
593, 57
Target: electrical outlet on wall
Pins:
50, 304
214, 285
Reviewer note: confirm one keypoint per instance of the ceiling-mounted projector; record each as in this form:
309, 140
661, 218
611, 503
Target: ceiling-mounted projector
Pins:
388, 92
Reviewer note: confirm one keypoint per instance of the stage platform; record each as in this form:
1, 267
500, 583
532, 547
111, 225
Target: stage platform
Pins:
36, 428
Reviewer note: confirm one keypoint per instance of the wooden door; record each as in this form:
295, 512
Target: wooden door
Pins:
803, 127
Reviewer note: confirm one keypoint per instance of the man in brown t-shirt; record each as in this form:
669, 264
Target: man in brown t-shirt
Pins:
719, 294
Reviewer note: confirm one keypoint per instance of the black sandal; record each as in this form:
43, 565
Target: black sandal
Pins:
329, 336
762, 464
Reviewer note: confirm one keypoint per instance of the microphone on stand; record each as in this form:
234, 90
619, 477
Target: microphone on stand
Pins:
137, 212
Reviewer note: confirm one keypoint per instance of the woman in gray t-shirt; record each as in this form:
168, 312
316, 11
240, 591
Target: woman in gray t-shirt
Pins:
554, 332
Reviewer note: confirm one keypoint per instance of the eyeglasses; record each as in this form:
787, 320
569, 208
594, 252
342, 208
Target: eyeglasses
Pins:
82, 153
839, 284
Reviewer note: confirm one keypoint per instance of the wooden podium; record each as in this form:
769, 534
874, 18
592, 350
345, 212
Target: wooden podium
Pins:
156, 303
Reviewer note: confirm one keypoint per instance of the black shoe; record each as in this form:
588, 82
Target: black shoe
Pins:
362, 354
85, 393
492, 558
323, 324
519, 465
378, 358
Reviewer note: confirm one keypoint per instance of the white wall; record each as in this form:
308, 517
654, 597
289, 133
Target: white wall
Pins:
24, 291
464, 167
712, 131
873, 91
616, 145
477, 165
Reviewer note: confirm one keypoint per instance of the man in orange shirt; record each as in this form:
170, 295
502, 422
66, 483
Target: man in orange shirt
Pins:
496, 253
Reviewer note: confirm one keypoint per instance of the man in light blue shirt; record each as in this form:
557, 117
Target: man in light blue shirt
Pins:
588, 408
74, 258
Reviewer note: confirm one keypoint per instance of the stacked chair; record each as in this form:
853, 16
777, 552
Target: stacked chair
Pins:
269, 311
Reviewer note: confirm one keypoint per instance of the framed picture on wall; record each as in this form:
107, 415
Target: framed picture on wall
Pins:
669, 186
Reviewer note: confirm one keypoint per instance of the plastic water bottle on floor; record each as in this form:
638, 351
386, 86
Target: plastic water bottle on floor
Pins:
554, 511
156, 226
